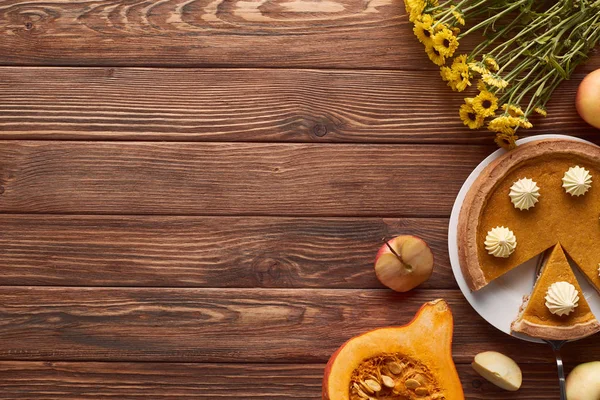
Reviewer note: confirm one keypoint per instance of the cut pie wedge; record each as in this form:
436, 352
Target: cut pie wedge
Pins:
535, 318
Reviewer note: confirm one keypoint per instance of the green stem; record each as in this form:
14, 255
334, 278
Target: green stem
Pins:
530, 28
491, 19
483, 45
515, 57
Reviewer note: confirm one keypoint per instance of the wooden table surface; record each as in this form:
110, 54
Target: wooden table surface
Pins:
192, 194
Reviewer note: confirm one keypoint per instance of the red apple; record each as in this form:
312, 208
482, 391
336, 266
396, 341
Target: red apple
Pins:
403, 263
588, 99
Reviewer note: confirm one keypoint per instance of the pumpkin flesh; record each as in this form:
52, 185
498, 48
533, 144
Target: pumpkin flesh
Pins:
422, 347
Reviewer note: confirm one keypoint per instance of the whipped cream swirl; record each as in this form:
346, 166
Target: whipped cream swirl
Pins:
562, 298
524, 193
577, 181
500, 242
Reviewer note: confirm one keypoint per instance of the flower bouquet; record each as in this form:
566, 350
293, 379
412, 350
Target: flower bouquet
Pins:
529, 47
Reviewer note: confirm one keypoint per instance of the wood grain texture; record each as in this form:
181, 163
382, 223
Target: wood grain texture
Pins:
280, 33
207, 251
229, 325
225, 179
88, 380
249, 105
342, 33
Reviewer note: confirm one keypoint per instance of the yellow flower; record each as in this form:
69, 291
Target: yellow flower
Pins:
541, 111
455, 30
512, 110
504, 124
516, 117
448, 74
481, 86
439, 26
491, 63
460, 18
460, 61
524, 123
485, 103
469, 100
414, 8
506, 140
433, 3
500, 127
408, 7
445, 42
494, 80
457, 76
470, 118
422, 29
435, 56
479, 67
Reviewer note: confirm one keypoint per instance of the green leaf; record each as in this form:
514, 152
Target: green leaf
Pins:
552, 61
543, 39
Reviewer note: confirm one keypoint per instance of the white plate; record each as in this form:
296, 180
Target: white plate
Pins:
498, 302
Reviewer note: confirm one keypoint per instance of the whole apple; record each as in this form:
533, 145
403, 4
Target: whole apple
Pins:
583, 383
403, 263
588, 99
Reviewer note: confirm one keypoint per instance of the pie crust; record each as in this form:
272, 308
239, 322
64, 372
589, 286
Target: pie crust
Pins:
555, 332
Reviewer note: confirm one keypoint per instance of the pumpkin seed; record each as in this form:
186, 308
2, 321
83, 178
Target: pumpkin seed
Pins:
373, 385
412, 383
360, 393
422, 380
421, 391
387, 381
395, 368
365, 388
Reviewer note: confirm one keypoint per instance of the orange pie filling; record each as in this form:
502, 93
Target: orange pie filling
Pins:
556, 217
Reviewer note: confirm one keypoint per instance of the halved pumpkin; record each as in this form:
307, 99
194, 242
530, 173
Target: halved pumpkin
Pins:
413, 361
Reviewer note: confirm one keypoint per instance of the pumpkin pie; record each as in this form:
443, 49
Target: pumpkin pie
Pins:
566, 315
552, 217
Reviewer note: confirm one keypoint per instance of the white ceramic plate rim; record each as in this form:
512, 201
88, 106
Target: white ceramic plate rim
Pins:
498, 303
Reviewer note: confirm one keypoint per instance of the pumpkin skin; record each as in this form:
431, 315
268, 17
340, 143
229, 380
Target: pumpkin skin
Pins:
426, 339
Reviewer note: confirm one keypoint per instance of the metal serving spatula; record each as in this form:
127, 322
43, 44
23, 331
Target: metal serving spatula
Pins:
555, 344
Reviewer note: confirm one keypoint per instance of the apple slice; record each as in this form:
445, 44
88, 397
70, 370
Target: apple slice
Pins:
499, 369
583, 383
403, 263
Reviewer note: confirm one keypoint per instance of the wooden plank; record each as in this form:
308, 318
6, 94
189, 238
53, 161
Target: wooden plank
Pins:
206, 251
248, 105
87, 380
225, 179
333, 33
341, 33
229, 325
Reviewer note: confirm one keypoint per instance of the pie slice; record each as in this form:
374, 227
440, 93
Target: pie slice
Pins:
557, 217
535, 318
